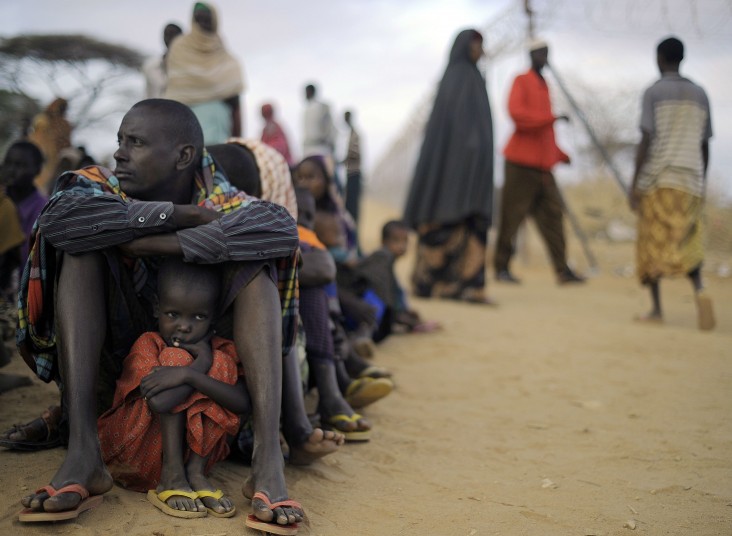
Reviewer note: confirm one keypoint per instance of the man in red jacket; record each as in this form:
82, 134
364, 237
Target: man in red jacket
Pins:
529, 187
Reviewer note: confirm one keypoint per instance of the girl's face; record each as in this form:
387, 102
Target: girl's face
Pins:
309, 175
18, 169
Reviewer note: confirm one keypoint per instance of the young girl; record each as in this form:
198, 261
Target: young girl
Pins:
180, 393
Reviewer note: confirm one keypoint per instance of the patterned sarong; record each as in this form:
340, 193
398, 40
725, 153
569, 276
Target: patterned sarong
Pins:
669, 234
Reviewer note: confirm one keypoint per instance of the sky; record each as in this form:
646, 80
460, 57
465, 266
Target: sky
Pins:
382, 58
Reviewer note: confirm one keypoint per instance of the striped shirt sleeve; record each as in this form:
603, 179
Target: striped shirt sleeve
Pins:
82, 223
259, 230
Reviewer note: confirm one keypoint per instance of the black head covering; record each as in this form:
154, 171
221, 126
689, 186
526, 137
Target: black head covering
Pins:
454, 175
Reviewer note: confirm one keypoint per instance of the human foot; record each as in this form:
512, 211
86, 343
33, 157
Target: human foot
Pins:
213, 499
318, 444
264, 509
38, 434
365, 391
176, 492
79, 467
705, 311
650, 318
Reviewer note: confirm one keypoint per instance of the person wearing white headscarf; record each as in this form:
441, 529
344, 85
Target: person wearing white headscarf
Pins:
205, 76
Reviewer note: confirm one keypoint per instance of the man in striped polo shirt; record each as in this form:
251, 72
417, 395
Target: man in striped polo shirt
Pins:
670, 181
91, 273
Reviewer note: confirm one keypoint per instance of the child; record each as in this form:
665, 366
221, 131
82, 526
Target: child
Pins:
318, 270
378, 270
23, 162
179, 395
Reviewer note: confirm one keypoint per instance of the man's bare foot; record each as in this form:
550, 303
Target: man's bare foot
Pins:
318, 444
198, 481
649, 318
79, 467
273, 474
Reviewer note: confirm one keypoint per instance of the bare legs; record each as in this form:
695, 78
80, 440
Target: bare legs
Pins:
258, 341
81, 315
703, 302
306, 443
173, 473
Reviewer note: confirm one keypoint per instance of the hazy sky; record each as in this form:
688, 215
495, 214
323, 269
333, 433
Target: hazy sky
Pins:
381, 57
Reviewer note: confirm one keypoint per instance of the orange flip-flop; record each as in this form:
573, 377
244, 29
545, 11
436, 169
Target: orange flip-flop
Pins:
28, 515
268, 527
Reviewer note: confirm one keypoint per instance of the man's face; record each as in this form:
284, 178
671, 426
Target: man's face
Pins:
146, 157
540, 57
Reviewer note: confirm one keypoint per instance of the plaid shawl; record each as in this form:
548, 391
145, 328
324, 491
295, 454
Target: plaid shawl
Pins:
36, 332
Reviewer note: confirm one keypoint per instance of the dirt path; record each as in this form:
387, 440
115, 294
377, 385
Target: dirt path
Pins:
552, 414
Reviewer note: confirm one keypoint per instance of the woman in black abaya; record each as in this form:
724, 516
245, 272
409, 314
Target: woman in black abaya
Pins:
450, 201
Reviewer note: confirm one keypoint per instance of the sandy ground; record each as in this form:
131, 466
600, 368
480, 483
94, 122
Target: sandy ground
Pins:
553, 414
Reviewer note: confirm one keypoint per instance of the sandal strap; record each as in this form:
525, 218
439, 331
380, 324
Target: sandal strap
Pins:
168, 493
208, 493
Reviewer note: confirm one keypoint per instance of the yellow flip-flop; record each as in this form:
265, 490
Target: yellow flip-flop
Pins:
215, 495
356, 435
365, 391
158, 501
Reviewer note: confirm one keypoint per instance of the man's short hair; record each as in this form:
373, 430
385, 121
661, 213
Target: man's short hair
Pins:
179, 120
671, 49
310, 90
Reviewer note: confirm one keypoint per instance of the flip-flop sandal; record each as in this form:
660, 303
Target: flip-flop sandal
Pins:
365, 391
158, 501
218, 494
372, 371
40, 427
268, 527
28, 515
355, 435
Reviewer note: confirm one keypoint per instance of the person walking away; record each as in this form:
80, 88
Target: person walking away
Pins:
669, 182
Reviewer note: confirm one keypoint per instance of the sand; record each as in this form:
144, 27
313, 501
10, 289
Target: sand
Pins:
552, 414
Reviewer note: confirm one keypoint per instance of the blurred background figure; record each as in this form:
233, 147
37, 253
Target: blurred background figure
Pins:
51, 132
450, 201
274, 135
155, 68
205, 76
353, 168
530, 188
319, 132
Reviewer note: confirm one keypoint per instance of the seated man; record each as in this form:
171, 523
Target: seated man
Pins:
92, 278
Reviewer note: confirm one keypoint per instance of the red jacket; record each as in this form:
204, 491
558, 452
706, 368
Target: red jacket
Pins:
532, 143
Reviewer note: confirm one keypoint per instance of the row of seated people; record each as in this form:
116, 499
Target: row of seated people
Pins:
346, 304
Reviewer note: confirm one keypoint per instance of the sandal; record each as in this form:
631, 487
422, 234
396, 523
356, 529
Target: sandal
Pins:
41, 433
